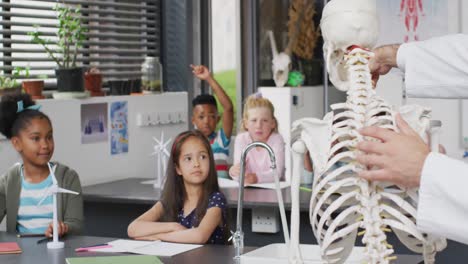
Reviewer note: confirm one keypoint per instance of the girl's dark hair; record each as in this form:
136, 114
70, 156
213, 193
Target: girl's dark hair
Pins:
174, 195
12, 122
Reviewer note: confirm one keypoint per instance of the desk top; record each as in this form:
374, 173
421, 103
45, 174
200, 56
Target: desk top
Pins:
132, 191
39, 254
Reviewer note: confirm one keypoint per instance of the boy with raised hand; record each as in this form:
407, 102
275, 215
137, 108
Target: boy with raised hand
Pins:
205, 118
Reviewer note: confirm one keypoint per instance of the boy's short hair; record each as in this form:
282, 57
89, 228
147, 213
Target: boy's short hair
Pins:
204, 99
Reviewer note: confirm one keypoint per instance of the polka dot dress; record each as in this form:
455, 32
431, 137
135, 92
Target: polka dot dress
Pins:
216, 199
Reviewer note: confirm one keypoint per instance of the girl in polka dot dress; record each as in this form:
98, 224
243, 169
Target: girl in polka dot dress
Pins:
191, 209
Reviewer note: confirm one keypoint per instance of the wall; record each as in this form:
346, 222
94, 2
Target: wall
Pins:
446, 110
308, 103
93, 162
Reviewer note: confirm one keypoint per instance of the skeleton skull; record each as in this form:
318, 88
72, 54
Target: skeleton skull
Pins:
346, 23
281, 63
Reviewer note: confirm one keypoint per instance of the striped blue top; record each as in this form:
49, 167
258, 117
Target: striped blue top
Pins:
34, 218
220, 146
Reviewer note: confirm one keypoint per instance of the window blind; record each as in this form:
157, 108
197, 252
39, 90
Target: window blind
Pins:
121, 33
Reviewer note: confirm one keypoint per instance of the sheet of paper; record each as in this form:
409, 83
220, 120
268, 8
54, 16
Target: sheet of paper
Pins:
123, 245
226, 183
271, 185
164, 249
155, 248
148, 182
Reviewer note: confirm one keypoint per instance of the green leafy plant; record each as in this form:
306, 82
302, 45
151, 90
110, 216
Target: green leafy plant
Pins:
70, 34
9, 82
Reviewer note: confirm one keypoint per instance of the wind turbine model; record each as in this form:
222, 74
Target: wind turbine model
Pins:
53, 190
162, 156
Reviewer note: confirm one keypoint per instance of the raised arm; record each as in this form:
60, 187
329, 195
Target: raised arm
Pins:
147, 224
203, 73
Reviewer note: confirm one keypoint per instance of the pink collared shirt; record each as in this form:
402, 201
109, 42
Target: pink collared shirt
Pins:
258, 159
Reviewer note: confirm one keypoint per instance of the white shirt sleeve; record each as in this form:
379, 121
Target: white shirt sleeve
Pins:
436, 68
443, 198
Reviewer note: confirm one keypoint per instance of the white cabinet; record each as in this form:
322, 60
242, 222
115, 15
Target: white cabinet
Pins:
292, 103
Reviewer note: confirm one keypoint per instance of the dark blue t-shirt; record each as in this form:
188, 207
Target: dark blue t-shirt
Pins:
216, 199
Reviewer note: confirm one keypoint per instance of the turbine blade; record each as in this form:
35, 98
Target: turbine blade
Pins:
166, 152
52, 172
62, 190
46, 194
166, 143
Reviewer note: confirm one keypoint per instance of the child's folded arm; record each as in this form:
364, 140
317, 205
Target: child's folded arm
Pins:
196, 235
141, 228
147, 224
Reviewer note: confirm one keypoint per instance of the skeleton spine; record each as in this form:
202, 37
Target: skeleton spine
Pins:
360, 98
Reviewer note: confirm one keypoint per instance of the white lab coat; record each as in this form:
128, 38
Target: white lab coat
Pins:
439, 68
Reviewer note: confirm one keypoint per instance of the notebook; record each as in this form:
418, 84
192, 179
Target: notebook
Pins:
115, 260
10, 248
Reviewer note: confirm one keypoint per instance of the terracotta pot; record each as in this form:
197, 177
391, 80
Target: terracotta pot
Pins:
93, 83
34, 88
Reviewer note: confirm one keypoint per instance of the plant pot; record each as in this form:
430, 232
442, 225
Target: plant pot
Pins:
34, 88
93, 83
70, 79
10, 91
120, 87
135, 86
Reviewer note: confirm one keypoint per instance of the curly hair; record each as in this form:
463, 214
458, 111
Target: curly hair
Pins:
12, 121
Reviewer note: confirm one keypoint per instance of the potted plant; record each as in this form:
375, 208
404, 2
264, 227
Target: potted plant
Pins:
34, 87
9, 84
93, 82
70, 36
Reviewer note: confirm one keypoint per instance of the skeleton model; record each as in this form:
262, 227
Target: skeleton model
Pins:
411, 9
162, 155
343, 204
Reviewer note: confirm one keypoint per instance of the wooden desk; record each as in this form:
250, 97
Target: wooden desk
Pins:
208, 254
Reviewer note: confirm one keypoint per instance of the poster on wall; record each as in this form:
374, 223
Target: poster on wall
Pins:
411, 20
94, 123
119, 127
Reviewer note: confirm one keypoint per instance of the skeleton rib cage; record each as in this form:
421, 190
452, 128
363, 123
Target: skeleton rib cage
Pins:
344, 206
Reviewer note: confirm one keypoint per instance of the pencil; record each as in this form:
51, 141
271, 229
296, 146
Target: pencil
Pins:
47, 239
29, 235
